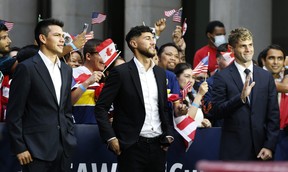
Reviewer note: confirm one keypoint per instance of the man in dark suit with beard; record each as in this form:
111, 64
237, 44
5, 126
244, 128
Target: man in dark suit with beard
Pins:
140, 133
39, 114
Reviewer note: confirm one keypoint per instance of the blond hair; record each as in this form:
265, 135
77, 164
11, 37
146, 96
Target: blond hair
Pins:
239, 34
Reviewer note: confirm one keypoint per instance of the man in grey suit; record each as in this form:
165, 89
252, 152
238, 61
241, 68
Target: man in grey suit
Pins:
249, 109
39, 114
140, 133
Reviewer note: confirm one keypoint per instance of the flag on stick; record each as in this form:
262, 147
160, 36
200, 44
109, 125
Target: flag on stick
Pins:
169, 13
98, 17
8, 24
202, 67
107, 51
177, 16
185, 90
184, 27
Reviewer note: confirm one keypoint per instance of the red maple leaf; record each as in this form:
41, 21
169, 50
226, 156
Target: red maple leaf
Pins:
108, 52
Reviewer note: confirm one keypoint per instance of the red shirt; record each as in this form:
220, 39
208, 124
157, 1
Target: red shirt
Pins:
283, 110
203, 52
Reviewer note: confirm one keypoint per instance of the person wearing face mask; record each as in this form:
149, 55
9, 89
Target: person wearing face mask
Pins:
215, 32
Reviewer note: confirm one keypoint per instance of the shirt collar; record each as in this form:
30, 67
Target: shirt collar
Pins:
140, 66
241, 68
47, 61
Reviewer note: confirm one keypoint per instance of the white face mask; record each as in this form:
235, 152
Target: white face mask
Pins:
219, 40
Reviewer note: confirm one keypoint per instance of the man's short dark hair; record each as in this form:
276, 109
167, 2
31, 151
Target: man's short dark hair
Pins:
3, 27
42, 28
90, 46
263, 54
136, 32
211, 26
161, 49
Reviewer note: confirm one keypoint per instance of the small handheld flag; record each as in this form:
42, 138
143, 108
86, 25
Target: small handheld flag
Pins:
8, 24
185, 90
202, 67
98, 18
169, 13
107, 51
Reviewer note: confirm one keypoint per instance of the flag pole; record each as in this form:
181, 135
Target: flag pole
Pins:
208, 66
91, 27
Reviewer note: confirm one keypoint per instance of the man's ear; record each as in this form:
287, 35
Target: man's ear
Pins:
263, 61
133, 43
230, 48
42, 38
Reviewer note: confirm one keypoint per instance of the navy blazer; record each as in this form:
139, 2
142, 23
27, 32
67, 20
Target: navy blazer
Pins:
35, 119
246, 126
123, 89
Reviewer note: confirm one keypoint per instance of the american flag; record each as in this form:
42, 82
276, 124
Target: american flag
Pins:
202, 67
186, 127
98, 17
185, 90
9, 25
177, 16
169, 13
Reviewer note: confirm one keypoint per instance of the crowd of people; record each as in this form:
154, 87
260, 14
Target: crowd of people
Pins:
48, 87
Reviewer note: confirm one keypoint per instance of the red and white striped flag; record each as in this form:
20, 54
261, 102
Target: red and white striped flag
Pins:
177, 16
202, 67
228, 56
169, 13
98, 18
107, 51
185, 90
186, 127
8, 24
184, 27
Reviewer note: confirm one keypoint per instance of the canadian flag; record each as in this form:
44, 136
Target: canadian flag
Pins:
228, 56
107, 51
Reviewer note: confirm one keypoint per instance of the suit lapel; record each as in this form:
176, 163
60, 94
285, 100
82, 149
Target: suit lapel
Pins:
236, 77
256, 78
159, 85
135, 78
64, 81
44, 74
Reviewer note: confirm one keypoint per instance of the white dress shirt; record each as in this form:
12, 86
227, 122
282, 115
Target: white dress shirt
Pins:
55, 74
152, 124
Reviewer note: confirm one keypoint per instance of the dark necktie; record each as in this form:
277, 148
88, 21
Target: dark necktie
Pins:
247, 71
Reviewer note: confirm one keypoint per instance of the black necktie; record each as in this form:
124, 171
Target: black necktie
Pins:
247, 71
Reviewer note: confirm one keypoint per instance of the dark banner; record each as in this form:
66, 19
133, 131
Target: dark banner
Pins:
91, 154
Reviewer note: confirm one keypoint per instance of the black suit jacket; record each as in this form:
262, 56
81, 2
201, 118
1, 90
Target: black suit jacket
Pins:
123, 89
246, 126
35, 120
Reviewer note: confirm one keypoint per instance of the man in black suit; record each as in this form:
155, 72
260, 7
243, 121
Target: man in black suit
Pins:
249, 109
39, 114
140, 133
